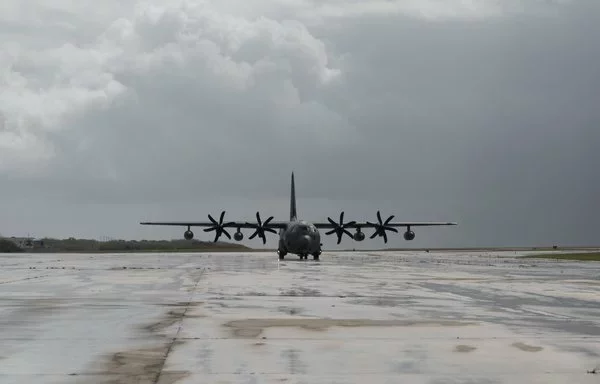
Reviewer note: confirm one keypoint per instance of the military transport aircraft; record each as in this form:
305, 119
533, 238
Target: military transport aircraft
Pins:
299, 237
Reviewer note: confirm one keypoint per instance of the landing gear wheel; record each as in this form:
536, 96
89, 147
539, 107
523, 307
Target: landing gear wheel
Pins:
281, 250
316, 256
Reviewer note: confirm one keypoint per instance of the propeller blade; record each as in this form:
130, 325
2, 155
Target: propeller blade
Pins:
212, 219
381, 227
260, 229
340, 228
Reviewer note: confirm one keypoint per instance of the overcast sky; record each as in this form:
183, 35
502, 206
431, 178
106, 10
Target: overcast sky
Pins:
482, 112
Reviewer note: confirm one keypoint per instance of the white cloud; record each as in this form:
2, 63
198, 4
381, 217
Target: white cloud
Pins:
160, 56
63, 61
313, 12
428, 9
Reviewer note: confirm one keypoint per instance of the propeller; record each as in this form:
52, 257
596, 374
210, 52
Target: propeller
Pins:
260, 228
219, 227
381, 227
340, 228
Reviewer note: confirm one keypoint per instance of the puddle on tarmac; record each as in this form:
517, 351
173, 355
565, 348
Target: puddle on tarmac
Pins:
464, 348
527, 348
254, 327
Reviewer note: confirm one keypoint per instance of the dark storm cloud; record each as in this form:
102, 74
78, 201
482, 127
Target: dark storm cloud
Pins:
498, 118
490, 121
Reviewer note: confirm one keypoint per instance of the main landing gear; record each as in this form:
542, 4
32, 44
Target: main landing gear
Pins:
314, 255
282, 254
281, 250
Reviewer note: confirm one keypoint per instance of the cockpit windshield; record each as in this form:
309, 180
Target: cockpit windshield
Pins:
306, 227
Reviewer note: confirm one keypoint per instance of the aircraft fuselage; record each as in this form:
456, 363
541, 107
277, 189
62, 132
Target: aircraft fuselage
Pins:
300, 238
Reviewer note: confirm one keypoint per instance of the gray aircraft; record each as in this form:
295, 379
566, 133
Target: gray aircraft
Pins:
299, 237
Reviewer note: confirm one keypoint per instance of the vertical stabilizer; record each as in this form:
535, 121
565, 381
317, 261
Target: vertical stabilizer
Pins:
293, 215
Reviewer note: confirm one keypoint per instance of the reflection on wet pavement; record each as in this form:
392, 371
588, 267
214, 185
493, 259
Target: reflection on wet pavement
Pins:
381, 317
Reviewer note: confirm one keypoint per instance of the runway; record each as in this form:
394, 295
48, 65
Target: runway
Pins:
381, 317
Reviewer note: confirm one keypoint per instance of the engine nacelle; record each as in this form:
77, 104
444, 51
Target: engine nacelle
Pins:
238, 236
409, 235
359, 236
188, 235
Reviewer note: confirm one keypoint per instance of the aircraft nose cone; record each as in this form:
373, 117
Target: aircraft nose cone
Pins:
305, 240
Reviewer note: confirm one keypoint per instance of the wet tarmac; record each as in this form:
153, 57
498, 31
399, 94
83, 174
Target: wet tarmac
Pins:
394, 317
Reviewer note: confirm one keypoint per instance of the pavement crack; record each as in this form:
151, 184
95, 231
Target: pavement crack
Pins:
24, 279
179, 327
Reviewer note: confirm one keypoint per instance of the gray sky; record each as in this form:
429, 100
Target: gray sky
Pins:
484, 112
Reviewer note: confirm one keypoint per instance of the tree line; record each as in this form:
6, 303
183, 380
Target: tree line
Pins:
90, 245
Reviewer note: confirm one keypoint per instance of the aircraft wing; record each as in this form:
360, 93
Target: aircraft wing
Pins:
220, 227
229, 224
379, 223
340, 228
368, 224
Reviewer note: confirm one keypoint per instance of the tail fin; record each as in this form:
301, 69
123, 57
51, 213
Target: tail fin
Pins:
293, 215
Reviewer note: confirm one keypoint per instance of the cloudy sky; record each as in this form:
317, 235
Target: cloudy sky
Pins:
484, 112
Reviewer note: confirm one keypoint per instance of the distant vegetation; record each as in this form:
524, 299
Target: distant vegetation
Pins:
582, 256
87, 245
49, 245
7, 246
